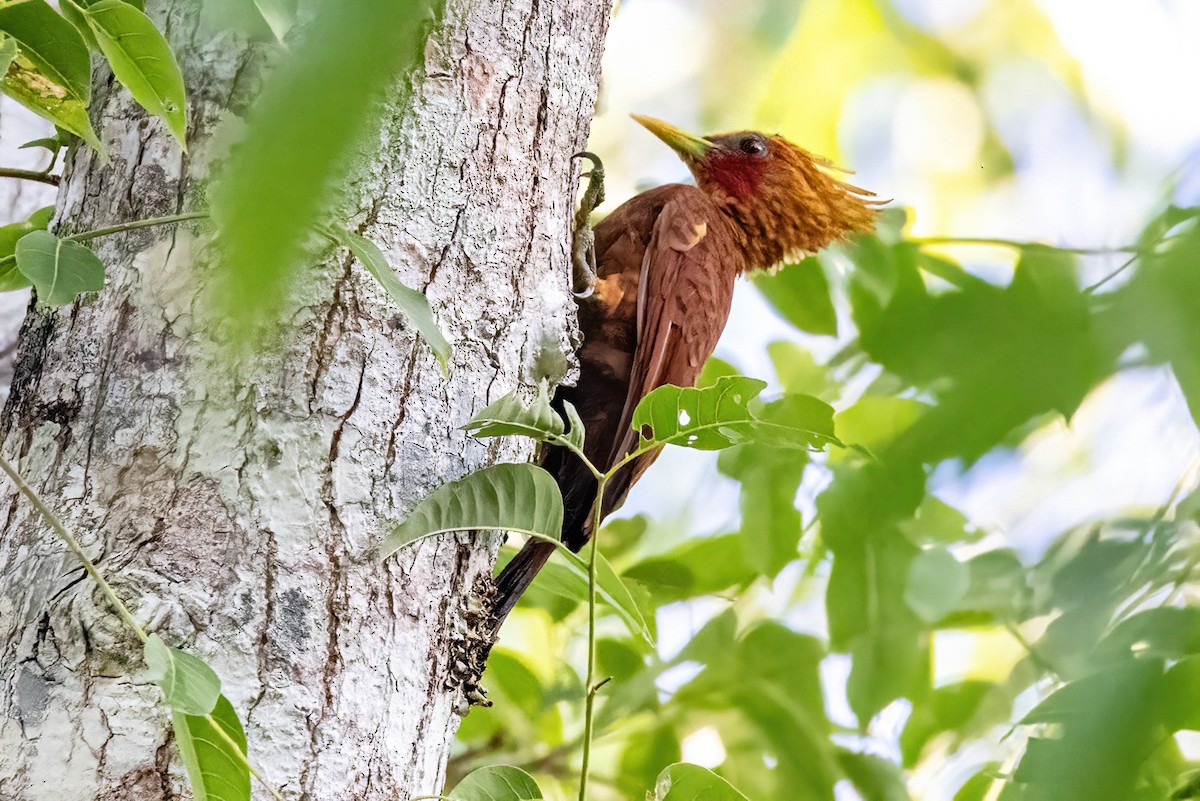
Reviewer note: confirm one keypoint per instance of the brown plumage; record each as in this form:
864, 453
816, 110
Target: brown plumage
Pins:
666, 261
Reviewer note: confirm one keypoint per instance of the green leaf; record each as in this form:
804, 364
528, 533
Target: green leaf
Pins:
998, 583
1170, 632
612, 590
303, 128
142, 60
684, 782
875, 778
1105, 725
189, 685
992, 358
876, 420
696, 567
936, 583
575, 432
51, 44
950, 708
510, 416
977, 787
10, 235
497, 783
59, 270
53, 144
713, 643
644, 755
771, 524
772, 675
800, 293
278, 14
52, 73
1181, 695
8, 54
216, 770
413, 304
10, 277
719, 416
509, 497
937, 522
799, 372
570, 580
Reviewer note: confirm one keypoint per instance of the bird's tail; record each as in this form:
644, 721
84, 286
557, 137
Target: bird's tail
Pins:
516, 576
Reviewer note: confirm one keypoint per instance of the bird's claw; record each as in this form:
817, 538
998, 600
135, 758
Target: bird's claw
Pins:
583, 241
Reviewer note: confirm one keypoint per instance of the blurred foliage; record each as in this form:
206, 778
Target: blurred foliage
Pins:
286, 175
851, 632
1110, 652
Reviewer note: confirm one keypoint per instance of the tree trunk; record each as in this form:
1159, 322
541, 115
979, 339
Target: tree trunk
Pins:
233, 504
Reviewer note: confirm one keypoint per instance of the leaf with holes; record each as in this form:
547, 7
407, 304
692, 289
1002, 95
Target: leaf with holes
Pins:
51, 75
720, 415
60, 271
684, 782
142, 60
413, 304
213, 747
8, 54
510, 497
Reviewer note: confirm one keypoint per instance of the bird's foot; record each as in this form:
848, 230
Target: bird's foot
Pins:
583, 240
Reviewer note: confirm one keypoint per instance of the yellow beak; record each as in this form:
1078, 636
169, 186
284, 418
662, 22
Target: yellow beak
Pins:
685, 144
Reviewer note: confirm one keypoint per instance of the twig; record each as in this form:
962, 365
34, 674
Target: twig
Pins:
589, 708
30, 175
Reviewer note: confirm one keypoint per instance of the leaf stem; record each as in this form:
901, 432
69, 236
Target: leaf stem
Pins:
29, 175
74, 547
589, 718
116, 229
1124, 266
561, 439
149, 222
242, 757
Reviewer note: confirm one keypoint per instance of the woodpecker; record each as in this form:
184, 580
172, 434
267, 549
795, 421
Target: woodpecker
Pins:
654, 282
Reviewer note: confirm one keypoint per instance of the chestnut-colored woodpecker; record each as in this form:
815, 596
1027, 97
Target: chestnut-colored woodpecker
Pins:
657, 293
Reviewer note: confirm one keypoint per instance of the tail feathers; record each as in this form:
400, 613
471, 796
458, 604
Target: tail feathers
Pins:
516, 577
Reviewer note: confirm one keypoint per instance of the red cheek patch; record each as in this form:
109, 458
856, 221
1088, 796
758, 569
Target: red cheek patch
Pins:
738, 175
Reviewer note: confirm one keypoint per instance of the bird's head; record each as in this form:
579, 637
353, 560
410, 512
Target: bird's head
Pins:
783, 197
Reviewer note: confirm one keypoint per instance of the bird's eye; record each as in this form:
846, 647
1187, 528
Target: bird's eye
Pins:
753, 146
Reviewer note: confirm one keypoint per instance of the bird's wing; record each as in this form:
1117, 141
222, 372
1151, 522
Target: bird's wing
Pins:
683, 300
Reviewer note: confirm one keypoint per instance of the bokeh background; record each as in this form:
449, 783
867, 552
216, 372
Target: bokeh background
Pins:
1063, 122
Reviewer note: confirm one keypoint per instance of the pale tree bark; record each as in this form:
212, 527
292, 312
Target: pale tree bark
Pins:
18, 199
233, 501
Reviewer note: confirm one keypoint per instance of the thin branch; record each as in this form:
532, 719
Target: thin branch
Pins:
149, 222
1125, 266
116, 229
589, 717
75, 548
29, 175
